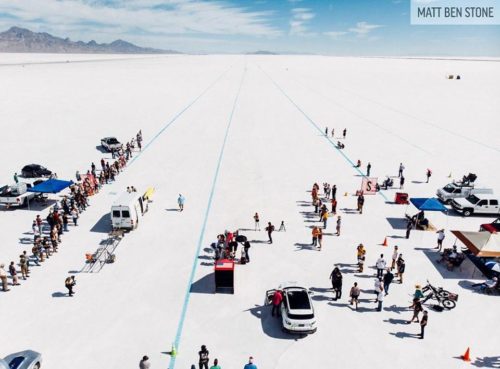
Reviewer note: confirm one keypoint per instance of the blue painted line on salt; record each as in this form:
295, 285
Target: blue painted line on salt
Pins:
202, 233
309, 119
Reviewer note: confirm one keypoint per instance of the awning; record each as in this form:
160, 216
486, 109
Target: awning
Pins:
481, 244
51, 186
428, 204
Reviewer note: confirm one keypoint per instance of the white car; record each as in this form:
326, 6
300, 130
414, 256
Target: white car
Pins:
297, 312
110, 143
28, 359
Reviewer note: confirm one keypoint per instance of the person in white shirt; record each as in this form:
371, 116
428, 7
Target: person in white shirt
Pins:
381, 265
440, 239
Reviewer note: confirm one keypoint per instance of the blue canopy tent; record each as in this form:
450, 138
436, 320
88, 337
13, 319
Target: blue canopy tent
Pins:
428, 204
51, 186
425, 204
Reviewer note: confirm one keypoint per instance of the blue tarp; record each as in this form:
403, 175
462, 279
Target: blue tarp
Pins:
428, 204
51, 186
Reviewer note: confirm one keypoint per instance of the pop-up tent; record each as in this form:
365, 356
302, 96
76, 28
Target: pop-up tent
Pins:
428, 204
481, 244
51, 186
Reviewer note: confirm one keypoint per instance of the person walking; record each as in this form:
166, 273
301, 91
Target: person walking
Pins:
13, 274
216, 364
380, 298
423, 324
361, 202
354, 294
180, 201
440, 239
256, 220
70, 283
401, 182
250, 364
339, 224
395, 254
3, 278
344, 133
401, 267
368, 169
417, 308
270, 230
409, 227
381, 265
144, 363
315, 233
203, 357
401, 169
282, 227
428, 174
388, 278
277, 299
336, 278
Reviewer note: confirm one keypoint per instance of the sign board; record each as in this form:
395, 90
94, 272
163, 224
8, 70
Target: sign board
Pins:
369, 185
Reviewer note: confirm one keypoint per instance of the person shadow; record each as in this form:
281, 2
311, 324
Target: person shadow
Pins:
59, 294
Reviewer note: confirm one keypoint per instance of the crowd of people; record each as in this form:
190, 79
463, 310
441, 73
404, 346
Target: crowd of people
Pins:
48, 232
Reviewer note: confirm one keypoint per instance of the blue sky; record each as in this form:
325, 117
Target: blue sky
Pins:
333, 27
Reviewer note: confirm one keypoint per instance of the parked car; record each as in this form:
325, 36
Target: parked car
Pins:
35, 171
16, 194
456, 190
493, 227
110, 143
476, 204
27, 359
297, 312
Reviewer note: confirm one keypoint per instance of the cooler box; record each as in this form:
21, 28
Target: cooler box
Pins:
224, 276
401, 198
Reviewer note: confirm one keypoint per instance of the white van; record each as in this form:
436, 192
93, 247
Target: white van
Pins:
127, 210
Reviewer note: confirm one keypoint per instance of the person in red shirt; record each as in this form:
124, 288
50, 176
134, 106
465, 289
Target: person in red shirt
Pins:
277, 299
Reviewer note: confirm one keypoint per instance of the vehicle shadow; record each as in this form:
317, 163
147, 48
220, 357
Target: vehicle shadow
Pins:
103, 225
271, 326
101, 149
204, 285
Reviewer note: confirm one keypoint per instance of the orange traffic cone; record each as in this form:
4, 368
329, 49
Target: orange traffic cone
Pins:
466, 356
385, 242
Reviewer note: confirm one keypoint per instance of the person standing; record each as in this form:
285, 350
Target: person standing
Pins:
277, 299
380, 298
361, 202
315, 233
381, 265
336, 278
216, 364
250, 364
334, 192
401, 267
270, 230
180, 201
376, 287
354, 294
23, 261
3, 278
333, 132
368, 169
394, 257
409, 227
324, 217
440, 239
428, 175
334, 206
423, 324
246, 247
339, 224
326, 131
203, 357
344, 133
144, 363
320, 239
417, 308
388, 277
256, 220
13, 274
401, 182
16, 179
401, 169
282, 226
74, 216
70, 283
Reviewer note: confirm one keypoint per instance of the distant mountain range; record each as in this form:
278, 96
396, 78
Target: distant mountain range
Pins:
22, 40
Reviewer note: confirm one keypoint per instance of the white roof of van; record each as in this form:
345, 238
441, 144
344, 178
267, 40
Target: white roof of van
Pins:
126, 198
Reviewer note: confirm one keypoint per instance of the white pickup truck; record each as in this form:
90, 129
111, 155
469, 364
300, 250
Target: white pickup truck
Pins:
477, 204
16, 195
457, 190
